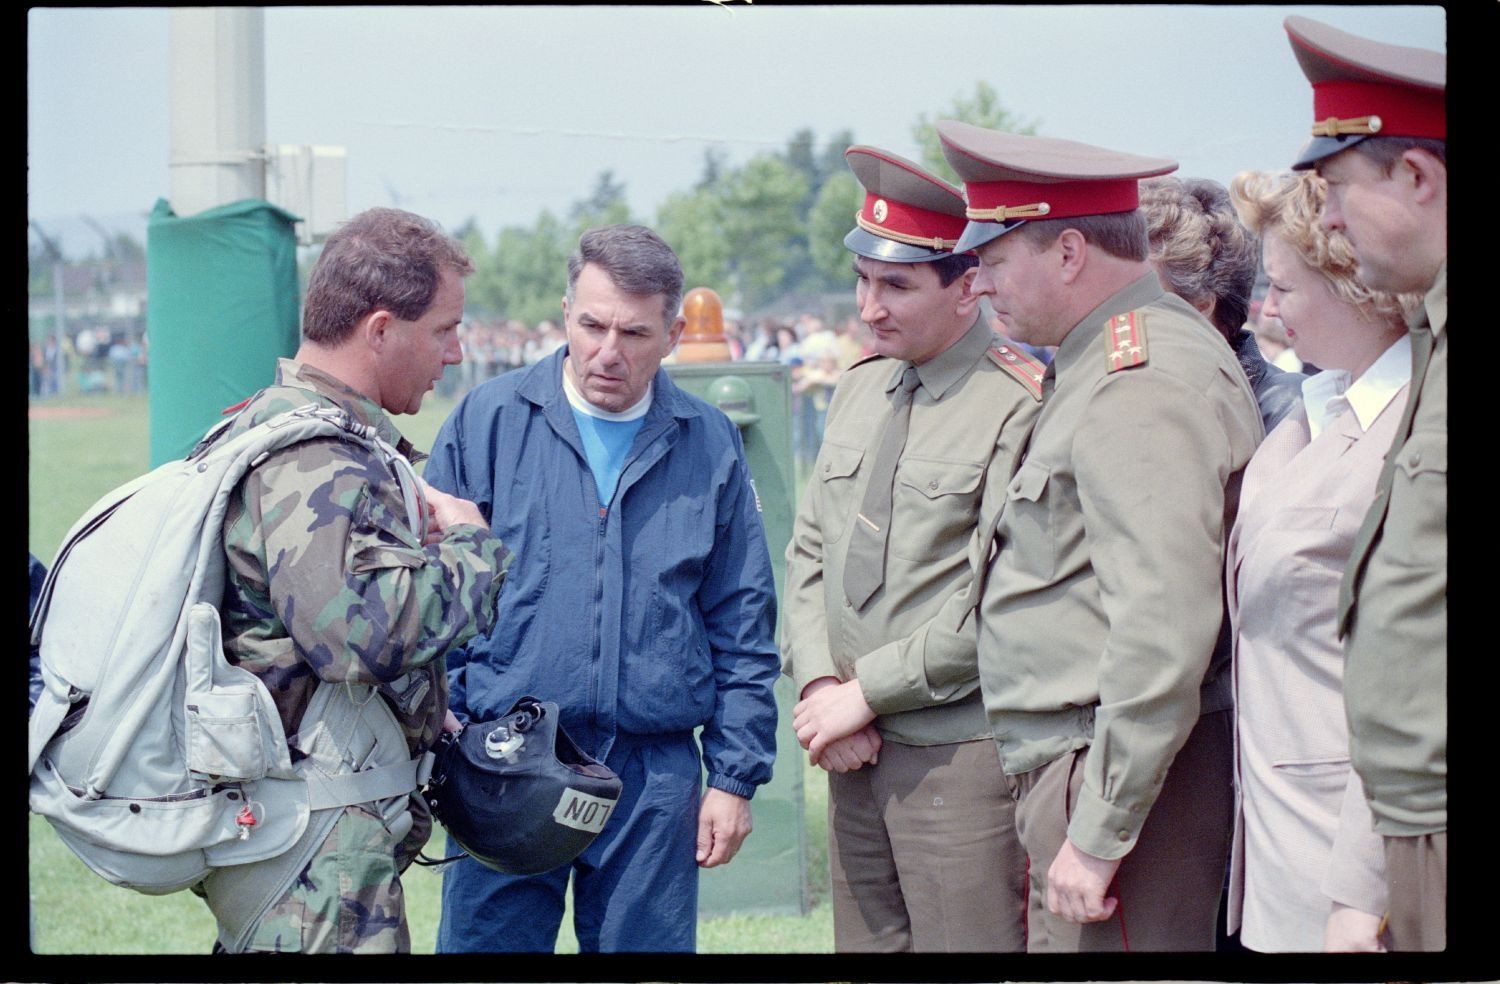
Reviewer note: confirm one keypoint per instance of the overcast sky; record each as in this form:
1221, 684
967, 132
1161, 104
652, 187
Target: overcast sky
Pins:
500, 112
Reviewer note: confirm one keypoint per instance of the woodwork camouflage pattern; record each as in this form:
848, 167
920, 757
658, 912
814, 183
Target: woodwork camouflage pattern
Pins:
327, 581
347, 900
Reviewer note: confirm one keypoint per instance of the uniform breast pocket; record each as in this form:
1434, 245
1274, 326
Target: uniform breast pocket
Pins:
1415, 534
836, 471
379, 539
933, 508
1026, 524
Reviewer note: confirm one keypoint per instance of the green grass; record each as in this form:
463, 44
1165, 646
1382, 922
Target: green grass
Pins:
77, 912
72, 461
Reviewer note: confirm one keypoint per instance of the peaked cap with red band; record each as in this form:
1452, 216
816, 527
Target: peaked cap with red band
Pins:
1364, 88
1010, 178
909, 215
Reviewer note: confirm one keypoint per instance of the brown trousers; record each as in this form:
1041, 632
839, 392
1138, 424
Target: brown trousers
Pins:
1169, 885
1416, 871
923, 853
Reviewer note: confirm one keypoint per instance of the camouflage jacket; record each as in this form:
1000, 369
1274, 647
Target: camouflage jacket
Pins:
326, 580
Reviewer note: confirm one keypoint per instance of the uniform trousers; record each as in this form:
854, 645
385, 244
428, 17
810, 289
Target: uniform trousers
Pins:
923, 853
1416, 871
348, 899
635, 888
1170, 883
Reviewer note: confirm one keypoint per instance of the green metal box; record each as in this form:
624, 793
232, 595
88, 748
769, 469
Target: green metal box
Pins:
769, 875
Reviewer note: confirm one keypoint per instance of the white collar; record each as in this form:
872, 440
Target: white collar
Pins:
583, 406
1367, 396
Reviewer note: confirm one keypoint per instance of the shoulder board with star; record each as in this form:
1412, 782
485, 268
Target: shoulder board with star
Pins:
1022, 366
1125, 341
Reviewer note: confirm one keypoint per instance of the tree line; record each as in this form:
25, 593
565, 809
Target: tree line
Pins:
772, 226
754, 233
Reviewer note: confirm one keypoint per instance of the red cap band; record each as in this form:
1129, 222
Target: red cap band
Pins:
1404, 111
890, 215
1062, 199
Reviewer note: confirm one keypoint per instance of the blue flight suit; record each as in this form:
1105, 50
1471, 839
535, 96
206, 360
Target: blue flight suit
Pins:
643, 618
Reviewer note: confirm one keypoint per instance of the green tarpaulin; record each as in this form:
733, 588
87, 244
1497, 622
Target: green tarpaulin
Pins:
223, 306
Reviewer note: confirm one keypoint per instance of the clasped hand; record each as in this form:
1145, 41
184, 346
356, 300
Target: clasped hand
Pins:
835, 724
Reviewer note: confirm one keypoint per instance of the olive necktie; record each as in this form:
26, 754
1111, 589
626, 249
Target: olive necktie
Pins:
864, 564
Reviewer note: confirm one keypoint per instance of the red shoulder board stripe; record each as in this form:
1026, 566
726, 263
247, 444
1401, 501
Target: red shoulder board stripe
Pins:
1125, 341
236, 408
1024, 367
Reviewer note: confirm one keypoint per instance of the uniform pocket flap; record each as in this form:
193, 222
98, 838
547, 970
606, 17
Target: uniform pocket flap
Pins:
378, 539
1423, 453
939, 478
1029, 482
839, 461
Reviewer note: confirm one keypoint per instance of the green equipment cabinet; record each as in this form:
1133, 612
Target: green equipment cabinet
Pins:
224, 305
769, 875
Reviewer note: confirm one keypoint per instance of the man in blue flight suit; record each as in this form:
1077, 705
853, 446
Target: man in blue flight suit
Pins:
641, 601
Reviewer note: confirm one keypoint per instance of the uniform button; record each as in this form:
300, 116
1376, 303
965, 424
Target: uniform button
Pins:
1416, 458
933, 485
1124, 835
1135, 807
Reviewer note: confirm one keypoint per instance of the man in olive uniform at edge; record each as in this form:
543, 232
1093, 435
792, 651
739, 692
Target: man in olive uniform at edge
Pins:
1380, 139
918, 439
1101, 606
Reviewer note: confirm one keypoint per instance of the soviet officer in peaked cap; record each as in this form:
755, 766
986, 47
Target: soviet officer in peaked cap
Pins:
920, 441
1100, 610
1379, 139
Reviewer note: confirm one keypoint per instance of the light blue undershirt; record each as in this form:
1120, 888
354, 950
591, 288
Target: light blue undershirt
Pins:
607, 436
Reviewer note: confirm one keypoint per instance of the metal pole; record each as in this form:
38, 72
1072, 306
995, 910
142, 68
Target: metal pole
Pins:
218, 107
222, 267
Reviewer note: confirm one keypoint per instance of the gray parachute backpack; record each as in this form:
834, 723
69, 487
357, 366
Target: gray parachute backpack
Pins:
156, 760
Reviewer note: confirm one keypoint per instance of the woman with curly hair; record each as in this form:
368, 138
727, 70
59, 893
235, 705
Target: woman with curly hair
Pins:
1307, 870
1204, 255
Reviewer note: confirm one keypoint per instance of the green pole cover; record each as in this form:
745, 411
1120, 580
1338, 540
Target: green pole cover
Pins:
223, 306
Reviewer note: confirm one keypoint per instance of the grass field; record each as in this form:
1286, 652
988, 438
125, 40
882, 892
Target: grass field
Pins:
79, 450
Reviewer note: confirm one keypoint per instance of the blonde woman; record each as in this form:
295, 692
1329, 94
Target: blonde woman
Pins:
1307, 870
1204, 255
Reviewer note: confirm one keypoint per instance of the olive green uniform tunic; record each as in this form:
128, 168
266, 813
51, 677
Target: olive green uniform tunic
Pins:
1394, 611
1396, 620
915, 839
914, 662
1102, 606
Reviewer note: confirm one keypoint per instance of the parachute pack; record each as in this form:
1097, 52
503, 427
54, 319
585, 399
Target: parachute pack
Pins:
156, 760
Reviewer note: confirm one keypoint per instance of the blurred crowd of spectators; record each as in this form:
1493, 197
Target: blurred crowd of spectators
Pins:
93, 360
816, 350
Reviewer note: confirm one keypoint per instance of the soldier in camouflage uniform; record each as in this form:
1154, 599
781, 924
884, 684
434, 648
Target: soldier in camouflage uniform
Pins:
326, 579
